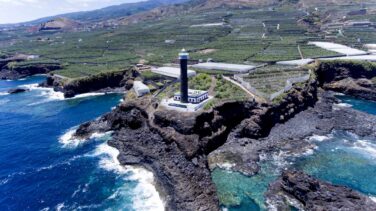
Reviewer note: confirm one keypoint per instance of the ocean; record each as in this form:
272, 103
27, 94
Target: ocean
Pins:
43, 168
340, 157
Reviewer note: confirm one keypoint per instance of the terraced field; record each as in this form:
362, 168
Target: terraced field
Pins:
248, 35
271, 79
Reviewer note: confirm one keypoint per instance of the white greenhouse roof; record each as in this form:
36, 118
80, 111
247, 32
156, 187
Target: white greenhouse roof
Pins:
224, 66
140, 88
173, 72
371, 58
342, 49
299, 62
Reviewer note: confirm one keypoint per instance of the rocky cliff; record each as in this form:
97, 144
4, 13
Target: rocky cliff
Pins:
24, 70
181, 148
105, 82
348, 77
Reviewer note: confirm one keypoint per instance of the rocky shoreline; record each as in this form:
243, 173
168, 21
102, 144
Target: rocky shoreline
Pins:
308, 193
103, 82
182, 149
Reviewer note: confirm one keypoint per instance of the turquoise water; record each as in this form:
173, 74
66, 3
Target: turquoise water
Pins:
42, 169
341, 158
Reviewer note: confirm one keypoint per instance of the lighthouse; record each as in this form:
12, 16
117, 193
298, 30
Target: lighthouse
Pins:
183, 57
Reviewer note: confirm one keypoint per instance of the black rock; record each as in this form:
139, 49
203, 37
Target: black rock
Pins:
309, 193
17, 90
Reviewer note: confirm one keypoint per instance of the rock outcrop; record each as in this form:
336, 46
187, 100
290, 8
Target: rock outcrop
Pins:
348, 77
17, 90
105, 82
13, 69
185, 183
309, 193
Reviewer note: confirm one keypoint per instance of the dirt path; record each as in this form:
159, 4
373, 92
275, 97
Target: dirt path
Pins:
212, 86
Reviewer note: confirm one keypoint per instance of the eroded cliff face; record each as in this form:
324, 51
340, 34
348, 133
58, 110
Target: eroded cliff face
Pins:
22, 71
348, 77
102, 81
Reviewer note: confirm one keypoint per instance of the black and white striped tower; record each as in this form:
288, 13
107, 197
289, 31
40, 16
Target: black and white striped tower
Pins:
183, 57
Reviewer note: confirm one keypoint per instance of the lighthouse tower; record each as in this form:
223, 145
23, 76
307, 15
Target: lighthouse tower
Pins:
183, 57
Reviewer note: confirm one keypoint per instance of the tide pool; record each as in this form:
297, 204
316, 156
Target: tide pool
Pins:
341, 158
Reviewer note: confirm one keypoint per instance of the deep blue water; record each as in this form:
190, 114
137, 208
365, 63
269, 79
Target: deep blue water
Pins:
40, 171
341, 158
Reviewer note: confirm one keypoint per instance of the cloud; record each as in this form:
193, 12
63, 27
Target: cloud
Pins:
13, 11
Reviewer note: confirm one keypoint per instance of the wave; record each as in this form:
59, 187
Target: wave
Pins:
60, 206
365, 147
145, 196
50, 93
343, 105
320, 138
92, 94
69, 141
373, 198
4, 93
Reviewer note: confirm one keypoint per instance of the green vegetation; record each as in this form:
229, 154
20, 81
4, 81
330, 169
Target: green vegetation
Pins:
243, 40
271, 79
149, 75
200, 82
355, 65
225, 90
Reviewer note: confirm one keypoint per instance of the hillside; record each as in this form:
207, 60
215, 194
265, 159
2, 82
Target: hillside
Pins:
110, 12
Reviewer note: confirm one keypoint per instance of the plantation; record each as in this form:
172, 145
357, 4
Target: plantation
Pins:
247, 36
271, 79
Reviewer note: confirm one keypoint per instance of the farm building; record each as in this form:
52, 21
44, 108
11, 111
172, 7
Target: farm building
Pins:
236, 68
140, 88
171, 72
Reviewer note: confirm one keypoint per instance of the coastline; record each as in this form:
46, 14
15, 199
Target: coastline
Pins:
181, 150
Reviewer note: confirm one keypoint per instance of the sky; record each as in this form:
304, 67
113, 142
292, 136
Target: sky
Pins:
15, 11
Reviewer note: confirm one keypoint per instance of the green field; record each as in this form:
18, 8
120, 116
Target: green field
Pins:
240, 40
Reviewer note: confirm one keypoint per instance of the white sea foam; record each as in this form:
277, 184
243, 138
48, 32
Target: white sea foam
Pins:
69, 141
226, 166
4, 93
93, 94
145, 196
60, 206
45, 92
4, 181
373, 198
319, 138
364, 146
343, 105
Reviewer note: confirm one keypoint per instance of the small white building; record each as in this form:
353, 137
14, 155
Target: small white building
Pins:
194, 96
140, 88
171, 72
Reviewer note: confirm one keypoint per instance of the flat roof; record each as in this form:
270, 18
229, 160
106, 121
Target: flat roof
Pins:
224, 66
173, 72
298, 62
194, 93
342, 49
